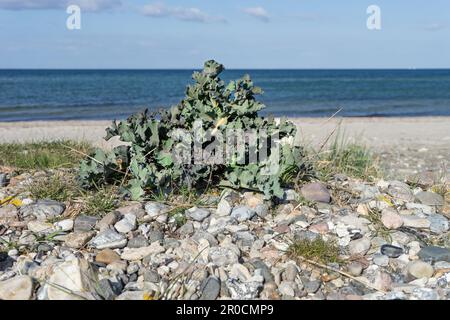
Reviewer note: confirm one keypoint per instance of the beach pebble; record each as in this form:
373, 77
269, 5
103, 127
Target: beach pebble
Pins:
359, 247
77, 277
430, 198
391, 251
107, 221
127, 224
438, 223
316, 192
157, 211
109, 239
43, 209
64, 225
8, 213
197, 214
415, 222
400, 191
420, 269
77, 240
210, 289
84, 223
391, 219
355, 268
224, 207
107, 256
137, 242
140, 253
434, 253
17, 288
222, 256
242, 213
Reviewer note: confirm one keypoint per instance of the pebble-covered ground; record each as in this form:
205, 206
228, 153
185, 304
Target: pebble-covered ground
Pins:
390, 238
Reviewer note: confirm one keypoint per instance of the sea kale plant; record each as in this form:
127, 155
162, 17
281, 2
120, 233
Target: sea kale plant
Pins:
186, 144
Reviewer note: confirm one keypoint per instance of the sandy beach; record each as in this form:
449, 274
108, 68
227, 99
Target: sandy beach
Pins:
404, 144
375, 132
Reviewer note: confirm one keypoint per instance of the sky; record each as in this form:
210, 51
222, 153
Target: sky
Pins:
286, 34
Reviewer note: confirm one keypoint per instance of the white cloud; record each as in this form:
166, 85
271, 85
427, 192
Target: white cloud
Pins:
87, 5
434, 27
258, 12
181, 13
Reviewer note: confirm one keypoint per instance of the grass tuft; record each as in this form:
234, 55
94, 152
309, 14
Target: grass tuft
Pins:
100, 202
55, 187
317, 250
351, 159
43, 155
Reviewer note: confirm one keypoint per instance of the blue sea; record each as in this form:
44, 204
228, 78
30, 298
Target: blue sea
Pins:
27, 95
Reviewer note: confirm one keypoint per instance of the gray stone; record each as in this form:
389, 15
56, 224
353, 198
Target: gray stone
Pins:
306, 235
84, 223
240, 272
433, 254
400, 191
290, 195
6, 261
197, 236
391, 251
242, 213
262, 210
265, 271
157, 211
197, 214
127, 224
218, 225
424, 294
135, 209
438, 223
151, 276
430, 198
186, 229
17, 288
137, 242
415, 222
355, 268
290, 273
132, 295
359, 247
244, 238
108, 220
316, 192
380, 260
287, 288
224, 207
106, 290
210, 289
312, 286
222, 256
155, 235
109, 239
243, 290
3, 180
43, 209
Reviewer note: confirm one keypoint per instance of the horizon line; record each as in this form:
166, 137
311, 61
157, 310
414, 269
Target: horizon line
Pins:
226, 69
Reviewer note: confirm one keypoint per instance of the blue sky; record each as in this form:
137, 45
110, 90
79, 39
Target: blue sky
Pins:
239, 34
